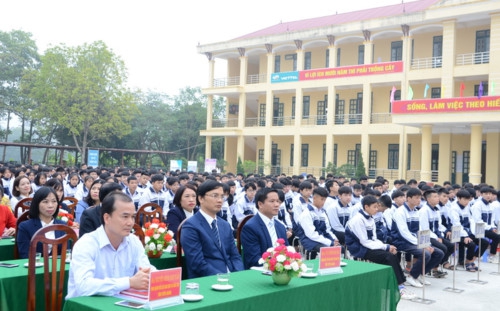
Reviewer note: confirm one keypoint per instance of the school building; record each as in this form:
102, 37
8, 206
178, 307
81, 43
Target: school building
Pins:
409, 87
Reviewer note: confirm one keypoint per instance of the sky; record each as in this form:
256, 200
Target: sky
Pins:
157, 39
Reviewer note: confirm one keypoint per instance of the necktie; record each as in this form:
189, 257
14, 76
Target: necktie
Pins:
215, 231
272, 232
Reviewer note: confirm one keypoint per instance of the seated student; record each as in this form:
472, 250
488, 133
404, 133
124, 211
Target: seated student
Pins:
301, 201
207, 240
227, 205
92, 199
362, 242
245, 205
91, 217
71, 186
460, 216
263, 230
482, 212
172, 186
313, 227
398, 199
356, 194
405, 227
43, 212
184, 207
21, 190
155, 194
82, 190
109, 259
430, 219
382, 229
131, 190
339, 213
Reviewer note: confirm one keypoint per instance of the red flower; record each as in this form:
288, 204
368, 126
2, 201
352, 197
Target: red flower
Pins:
70, 223
168, 237
156, 221
163, 225
286, 263
149, 232
266, 255
281, 241
147, 225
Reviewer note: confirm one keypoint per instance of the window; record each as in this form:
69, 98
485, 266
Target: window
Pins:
321, 112
304, 155
260, 163
436, 92
435, 157
278, 112
275, 155
356, 109
351, 157
466, 162
396, 51
372, 169
291, 155
437, 51
262, 115
307, 60
339, 110
485, 89
277, 63
393, 157
306, 100
453, 162
335, 154
408, 163
482, 47
293, 107
327, 58
361, 55
338, 57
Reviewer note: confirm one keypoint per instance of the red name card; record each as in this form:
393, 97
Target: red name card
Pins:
165, 283
329, 257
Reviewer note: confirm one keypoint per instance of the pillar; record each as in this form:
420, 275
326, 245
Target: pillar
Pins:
267, 154
365, 150
492, 161
243, 69
403, 153
330, 114
210, 110
476, 140
242, 105
208, 147
425, 167
298, 107
444, 173
367, 107
269, 108
329, 149
297, 147
448, 59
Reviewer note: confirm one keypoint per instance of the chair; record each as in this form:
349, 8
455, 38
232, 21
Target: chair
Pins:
53, 274
179, 246
144, 215
22, 206
72, 205
140, 234
238, 231
20, 219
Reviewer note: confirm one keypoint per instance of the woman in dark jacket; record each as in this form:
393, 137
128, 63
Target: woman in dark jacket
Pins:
184, 207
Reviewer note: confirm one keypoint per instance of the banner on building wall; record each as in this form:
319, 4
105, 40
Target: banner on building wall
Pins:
175, 165
210, 164
192, 166
93, 158
290, 76
351, 71
445, 105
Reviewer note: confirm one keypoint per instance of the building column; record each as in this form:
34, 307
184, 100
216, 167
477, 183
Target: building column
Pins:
476, 141
367, 107
243, 66
365, 150
332, 51
494, 74
270, 61
406, 58
444, 158
330, 114
297, 148
425, 167
300, 55
448, 59
242, 104
298, 107
208, 147
211, 69
240, 148
210, 110
267, 154
269, 108
492, 161
368, 44
403, 153
329, 149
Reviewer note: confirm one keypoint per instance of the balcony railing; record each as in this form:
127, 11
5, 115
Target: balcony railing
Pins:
426, 63
258, 78
355, 118
221, 82
473, 58
218, 123
314, 120
381, 118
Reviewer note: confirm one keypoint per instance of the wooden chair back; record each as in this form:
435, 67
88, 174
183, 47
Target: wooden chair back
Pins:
178, 242
140, 234
22, 206
238, 231
24, 216
53, 268
72, 205
148, 212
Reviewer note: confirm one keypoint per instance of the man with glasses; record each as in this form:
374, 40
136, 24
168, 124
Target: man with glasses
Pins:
207, 240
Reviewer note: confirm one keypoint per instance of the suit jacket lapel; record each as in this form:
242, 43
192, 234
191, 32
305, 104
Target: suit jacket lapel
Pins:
265, 231
208, 229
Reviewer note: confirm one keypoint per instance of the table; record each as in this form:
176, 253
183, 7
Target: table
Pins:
7, 249
166, 261
362, 286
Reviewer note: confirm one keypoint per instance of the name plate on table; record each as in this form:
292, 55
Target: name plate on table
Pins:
164, 290
455, 234
329, 260
480, 227
424, 238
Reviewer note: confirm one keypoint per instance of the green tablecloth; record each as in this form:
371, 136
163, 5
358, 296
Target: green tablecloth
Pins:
362, 286
6, 249
166, 261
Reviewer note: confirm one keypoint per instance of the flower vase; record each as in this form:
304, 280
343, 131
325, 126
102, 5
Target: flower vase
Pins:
281, 278
152, 255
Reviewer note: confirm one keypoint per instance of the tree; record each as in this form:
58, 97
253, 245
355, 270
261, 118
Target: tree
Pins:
360, 167
82, 89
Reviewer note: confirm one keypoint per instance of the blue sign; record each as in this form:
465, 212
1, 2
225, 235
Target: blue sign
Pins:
290, 76
93, 158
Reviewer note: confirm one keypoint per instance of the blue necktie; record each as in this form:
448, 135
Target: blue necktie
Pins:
215, 231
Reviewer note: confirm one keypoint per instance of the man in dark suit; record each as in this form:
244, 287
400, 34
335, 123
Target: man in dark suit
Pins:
207, 240
262, 231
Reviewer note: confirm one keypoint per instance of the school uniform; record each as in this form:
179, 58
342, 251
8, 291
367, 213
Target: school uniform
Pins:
314, 230
482, 212
136, 197
242, 208
430, 219
69, 190
339, 215
151, 196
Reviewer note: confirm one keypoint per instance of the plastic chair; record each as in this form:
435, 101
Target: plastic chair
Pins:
53, 268
148, 212
22, 206
238, 231
72, 205
140, 234
20, 219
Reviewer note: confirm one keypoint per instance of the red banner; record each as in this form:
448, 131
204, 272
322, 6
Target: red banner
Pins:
351, 71
329, 257
165, 283
442, 105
